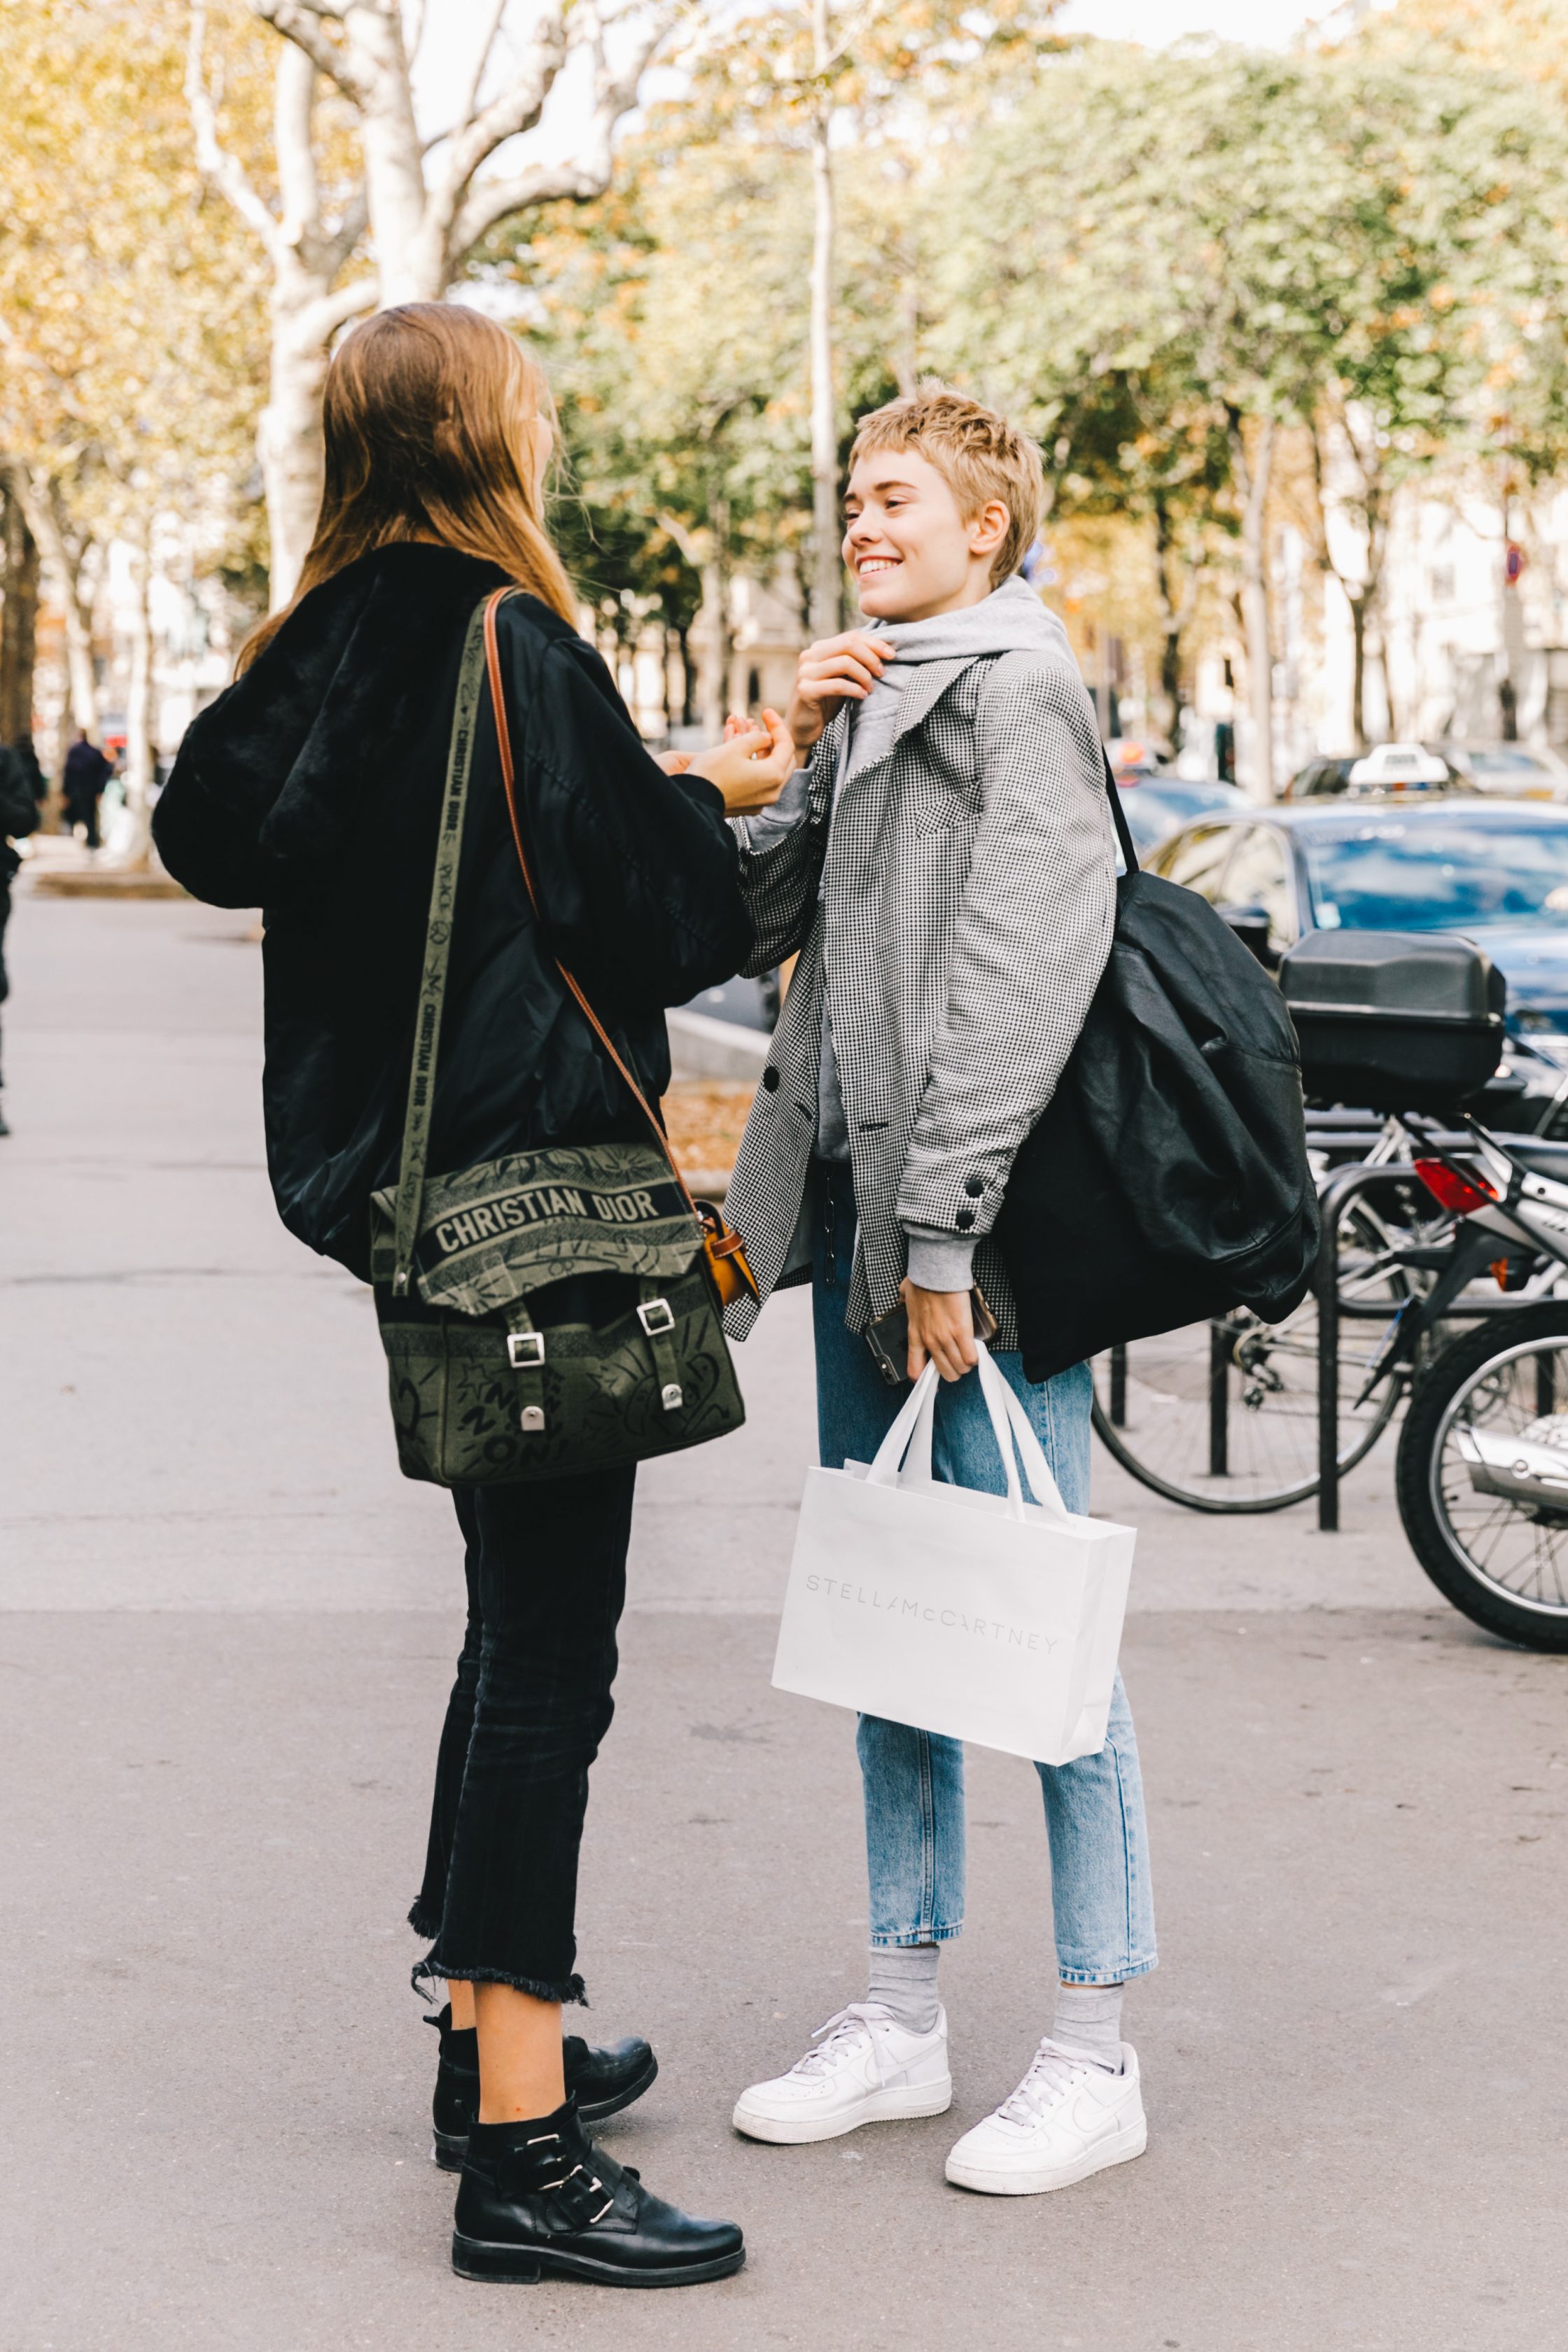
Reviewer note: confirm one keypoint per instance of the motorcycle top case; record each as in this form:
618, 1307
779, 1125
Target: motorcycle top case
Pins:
1395, 1021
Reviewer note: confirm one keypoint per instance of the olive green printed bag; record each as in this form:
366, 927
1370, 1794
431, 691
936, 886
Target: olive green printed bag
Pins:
549, 1312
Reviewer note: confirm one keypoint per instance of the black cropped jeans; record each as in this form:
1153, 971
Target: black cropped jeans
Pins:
546, 1570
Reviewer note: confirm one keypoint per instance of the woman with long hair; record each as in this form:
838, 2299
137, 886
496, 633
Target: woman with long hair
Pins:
314, 787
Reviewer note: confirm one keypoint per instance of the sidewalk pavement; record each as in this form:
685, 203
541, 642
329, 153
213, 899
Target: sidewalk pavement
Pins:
227, 1628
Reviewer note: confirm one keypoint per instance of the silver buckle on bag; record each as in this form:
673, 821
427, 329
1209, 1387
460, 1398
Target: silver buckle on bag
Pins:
525, 1349
530, 1419
656, 1316
671, 1398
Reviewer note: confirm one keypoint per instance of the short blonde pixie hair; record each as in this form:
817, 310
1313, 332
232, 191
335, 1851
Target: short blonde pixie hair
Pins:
978, 454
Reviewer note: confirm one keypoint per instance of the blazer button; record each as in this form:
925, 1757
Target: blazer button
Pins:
771, 1079
975, 1187
963, 1220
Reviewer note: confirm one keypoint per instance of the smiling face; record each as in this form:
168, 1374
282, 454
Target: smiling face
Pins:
912, 551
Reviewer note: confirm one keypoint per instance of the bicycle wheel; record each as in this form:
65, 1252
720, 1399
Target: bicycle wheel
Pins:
1223, 1416
1482, 1475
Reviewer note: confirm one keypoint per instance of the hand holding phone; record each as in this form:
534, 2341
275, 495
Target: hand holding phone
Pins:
888, 1339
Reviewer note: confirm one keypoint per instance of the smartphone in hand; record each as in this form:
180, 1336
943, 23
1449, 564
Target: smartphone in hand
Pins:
889, 1337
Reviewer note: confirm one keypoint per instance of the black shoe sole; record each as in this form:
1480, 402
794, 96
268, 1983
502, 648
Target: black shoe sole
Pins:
449, 2149
473, 2258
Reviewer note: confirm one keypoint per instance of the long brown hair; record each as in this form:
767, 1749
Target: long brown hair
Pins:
425, 421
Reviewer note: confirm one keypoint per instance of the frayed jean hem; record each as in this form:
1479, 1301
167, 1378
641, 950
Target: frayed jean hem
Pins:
568, 1990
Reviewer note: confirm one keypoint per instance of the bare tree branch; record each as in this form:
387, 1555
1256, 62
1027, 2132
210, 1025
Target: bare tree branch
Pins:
516, 192
577, 178
516, 107
326, 316
337, 248
225, 169
415, 32
471, 105
294, 19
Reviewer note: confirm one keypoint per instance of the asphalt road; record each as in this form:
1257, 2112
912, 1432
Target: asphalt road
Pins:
226, 1634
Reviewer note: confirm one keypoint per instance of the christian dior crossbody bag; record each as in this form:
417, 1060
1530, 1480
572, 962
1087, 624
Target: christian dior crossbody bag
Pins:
547, 1312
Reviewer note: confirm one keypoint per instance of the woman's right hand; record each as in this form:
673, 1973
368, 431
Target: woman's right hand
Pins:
834, 671
749, 769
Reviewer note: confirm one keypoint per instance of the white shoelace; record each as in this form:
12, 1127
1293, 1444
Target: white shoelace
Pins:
1052, 2072
848, 2024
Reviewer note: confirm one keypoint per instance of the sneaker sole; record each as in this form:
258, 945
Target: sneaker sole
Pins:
476, 2258
1120, 2150
877, 2107
448, 2150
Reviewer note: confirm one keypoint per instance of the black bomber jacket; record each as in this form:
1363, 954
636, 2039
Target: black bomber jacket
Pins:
312, 788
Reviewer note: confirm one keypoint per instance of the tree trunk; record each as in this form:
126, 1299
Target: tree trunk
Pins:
289, 433
716, 609
410, 257
39, 503
688, 677
305, 311
826, 569
1252, 471
1357, 668
1171, 621
18, 627
138, 719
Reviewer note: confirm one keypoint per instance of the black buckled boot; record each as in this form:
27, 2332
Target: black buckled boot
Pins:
604, 2081
539, 2200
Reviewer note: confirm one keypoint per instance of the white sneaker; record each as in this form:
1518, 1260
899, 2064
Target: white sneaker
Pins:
1066, 2118
865, 2069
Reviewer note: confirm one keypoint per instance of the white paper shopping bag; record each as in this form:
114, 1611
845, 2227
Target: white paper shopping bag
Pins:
985, 1617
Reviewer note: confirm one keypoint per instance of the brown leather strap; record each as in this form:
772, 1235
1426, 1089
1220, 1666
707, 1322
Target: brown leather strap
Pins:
508, 778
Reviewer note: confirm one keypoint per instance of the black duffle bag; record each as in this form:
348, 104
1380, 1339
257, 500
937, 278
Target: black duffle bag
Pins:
1167, 1180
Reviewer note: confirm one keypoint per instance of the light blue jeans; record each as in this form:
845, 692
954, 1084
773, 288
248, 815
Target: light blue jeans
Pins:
1102, 1903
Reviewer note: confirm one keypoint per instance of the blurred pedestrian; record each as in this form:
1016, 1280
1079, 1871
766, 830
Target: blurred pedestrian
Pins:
944, 865
86, 774
18, 817
315, 787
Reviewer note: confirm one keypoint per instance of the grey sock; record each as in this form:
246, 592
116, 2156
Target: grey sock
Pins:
1089, 2018
903, 1978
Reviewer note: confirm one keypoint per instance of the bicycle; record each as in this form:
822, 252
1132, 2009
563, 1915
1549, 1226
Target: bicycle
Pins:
1222, 1417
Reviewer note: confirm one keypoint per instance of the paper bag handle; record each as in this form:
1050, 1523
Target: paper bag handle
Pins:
1012, 1425
921, 1399
912, 1433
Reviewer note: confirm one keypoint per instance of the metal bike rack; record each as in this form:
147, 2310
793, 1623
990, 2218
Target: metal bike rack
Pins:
1340, 1188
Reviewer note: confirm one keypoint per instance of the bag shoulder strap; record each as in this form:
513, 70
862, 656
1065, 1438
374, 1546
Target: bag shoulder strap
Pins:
1119, 815
509, 779
437, 954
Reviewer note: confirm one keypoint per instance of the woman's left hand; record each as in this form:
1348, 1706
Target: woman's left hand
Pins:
942, 1326
749, 767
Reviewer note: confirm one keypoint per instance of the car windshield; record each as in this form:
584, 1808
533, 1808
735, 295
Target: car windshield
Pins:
1391, 873
1507, 763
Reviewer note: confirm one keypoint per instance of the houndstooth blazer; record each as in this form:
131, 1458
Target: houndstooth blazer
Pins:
963, 918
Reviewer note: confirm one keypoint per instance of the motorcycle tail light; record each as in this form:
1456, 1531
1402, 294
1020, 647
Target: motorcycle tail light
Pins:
1458, 1191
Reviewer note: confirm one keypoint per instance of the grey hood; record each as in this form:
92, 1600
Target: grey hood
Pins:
931, 654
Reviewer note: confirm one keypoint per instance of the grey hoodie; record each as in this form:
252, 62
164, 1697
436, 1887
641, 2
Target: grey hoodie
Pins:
1012, 619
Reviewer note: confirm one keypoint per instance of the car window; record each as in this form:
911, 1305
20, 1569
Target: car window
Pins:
1257, 877
1198, 861
1502, 764
1389, 873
